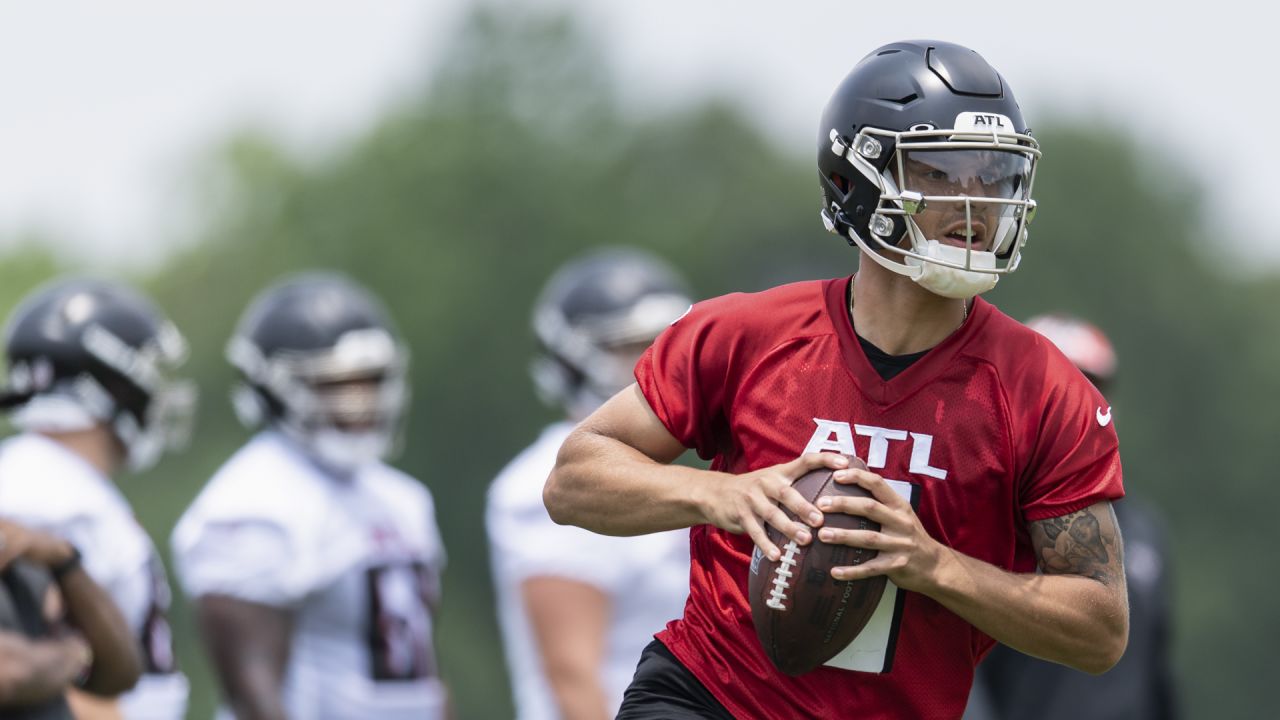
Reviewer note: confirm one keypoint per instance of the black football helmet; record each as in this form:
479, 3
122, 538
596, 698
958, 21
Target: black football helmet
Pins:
84, 351
925, 138
320, 359
592, 307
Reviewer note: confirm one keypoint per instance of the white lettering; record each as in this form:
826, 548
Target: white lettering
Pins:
878, 453
837, 435
921, 448
822, 437
985, 122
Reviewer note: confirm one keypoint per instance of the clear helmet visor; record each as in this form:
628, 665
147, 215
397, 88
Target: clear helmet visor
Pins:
969, 198
982, 173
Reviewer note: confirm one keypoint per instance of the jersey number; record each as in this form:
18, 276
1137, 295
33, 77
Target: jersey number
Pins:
400, 630
157, 637
872, 650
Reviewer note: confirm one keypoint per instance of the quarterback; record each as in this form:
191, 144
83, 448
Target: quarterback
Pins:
992, 465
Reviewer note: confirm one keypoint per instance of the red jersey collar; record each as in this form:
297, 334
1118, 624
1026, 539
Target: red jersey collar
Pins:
913, 378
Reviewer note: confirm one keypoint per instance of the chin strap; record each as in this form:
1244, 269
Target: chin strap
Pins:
936, 278
953, 282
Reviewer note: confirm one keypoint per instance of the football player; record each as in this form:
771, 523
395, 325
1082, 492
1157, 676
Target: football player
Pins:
42, 578
1141, 686
577, 608
90, 387
314, 565
988, 452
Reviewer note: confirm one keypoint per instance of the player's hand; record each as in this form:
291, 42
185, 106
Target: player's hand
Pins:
34, 546
906, 552
746, 503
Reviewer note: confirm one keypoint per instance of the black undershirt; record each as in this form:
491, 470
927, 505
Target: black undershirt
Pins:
886, 365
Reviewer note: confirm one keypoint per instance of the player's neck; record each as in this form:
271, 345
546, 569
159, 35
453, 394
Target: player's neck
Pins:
897, 315
96, 446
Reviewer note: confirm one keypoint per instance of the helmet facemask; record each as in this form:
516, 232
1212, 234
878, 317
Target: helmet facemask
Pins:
590, 359
344, 404
952, 204
133, 393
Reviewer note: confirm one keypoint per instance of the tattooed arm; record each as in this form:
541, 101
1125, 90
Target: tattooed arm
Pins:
1084, 543
1075, 611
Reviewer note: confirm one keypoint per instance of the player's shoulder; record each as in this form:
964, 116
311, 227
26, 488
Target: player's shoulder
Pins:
1028, 363
266, 478
1005, 340
772, 315
42, 481
407, 500
519, 484
798, 300
1004, 336
397, 487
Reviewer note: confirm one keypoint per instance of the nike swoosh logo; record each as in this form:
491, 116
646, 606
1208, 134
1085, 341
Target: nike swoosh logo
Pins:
1104, 419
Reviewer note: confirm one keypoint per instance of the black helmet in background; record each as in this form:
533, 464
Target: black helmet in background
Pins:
321, 361
925, 138
83, 352
592, 319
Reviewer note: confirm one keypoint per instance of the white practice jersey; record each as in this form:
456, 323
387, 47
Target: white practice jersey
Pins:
646, 577
357, 560
44, 485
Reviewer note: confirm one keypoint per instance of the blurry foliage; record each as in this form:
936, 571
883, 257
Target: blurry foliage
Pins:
459, 203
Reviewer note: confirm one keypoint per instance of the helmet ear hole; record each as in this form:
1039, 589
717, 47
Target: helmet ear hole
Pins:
841, 182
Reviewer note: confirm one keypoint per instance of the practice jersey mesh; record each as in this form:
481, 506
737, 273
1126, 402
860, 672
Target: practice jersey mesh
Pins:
993, 428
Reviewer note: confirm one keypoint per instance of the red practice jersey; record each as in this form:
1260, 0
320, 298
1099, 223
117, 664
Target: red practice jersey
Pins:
992, 429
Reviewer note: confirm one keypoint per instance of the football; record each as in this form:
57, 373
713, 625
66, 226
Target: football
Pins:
803, 616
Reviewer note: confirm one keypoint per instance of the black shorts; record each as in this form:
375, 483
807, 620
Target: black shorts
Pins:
663, 689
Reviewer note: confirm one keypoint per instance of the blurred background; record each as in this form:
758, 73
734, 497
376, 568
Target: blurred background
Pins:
451, 154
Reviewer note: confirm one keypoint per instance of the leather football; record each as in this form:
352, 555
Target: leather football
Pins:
803, 616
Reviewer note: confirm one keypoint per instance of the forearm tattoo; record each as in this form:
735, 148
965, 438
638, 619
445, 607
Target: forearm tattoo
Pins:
1083, 543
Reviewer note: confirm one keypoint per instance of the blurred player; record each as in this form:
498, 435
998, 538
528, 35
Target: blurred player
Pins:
89, 386
315, 566
578, 608
988, 451
59, 630
1012, 685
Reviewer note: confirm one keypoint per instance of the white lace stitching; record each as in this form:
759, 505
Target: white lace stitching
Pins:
781, 576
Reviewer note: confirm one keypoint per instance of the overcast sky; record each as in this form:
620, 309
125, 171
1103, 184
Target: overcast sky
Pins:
105, 105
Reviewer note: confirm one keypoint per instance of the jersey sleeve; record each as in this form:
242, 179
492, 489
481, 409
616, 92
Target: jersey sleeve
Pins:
528, 544
439, 554
688, 373
119, 571
111, 560
1075, 459
251, 560
436, 557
